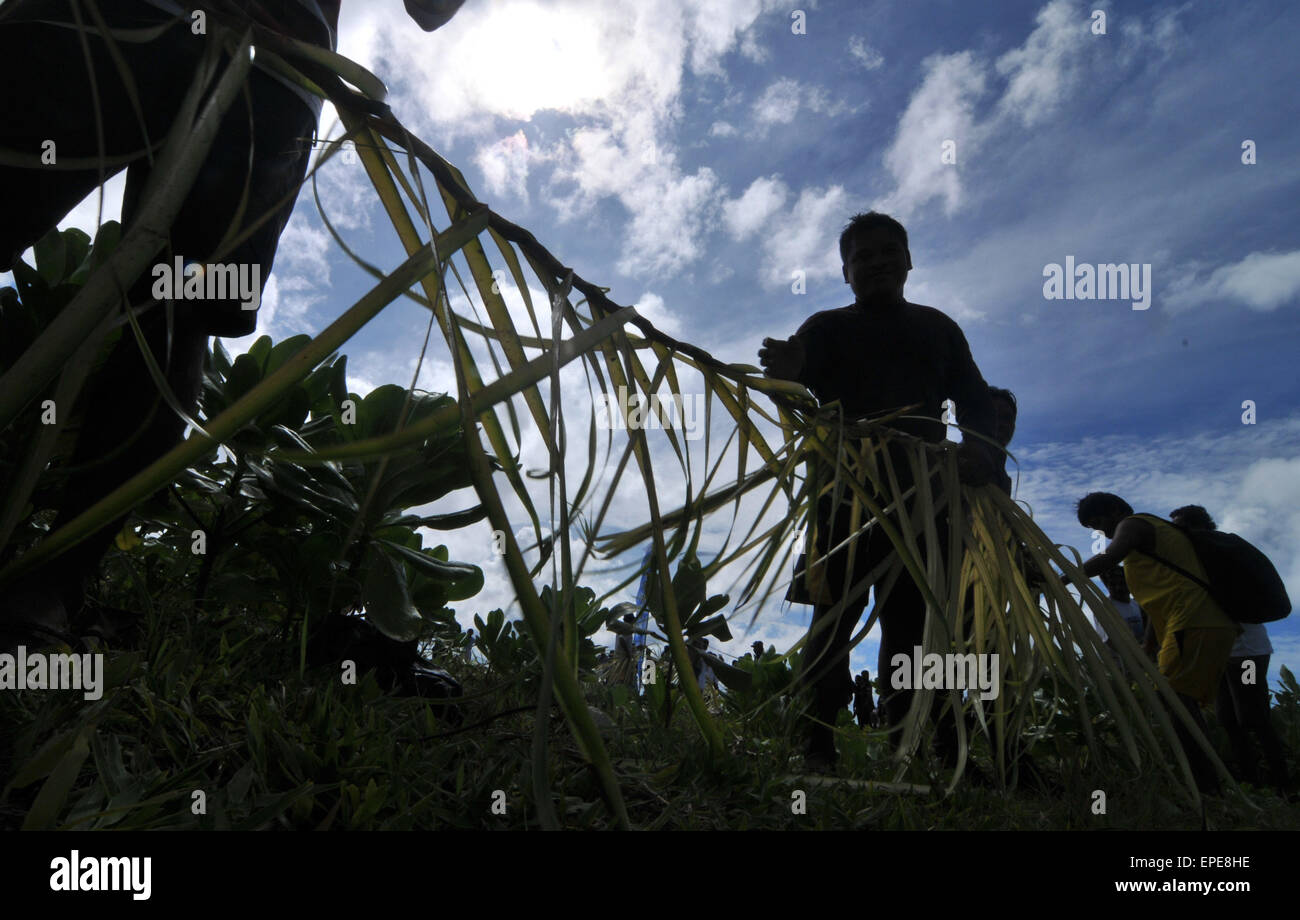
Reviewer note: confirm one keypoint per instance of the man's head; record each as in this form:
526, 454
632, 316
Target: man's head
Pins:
1004, 404
1103, 511
1192, 517
873, 248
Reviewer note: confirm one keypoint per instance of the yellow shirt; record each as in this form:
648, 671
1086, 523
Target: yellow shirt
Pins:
1172, 601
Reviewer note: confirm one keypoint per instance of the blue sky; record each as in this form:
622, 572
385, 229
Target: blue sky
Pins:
691, 156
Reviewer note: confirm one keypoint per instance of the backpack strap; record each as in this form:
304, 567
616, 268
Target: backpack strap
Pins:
1169, 565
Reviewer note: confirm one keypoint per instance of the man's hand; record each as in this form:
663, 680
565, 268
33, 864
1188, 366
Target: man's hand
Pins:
783, 359
974, 466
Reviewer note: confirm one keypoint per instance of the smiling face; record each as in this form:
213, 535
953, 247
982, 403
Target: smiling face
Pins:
876, 265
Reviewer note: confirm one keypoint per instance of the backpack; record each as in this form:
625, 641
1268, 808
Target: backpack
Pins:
1242, 580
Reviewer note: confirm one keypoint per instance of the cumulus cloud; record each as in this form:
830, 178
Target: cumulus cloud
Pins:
1262, 281
755, 208
808, 237
781, 102
1036, 79
505, 165
941, 110
614, 66
1041, 71
653, 308
304, 249
864, 54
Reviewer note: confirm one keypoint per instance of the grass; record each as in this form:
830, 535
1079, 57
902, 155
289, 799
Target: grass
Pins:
207, 725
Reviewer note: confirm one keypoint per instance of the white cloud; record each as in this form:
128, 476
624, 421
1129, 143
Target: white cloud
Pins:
867, 56
1043, 70
304, 249
505, 165
781, 101
752, 210
808, 238
722, 129
669, 219
614, 66
346, 194
670, 211
652, 307
942, 109
1040, 75
1262, 281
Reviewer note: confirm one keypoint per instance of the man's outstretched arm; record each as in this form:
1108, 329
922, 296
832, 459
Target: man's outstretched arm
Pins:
1131, 534
975, 411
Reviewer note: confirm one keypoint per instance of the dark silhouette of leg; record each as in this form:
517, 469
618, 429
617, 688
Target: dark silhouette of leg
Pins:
1227, 710
261, 154
1202, 770
1250, 702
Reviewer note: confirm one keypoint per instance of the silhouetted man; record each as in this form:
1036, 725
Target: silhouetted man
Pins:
864, 707
877, 354
261, 151
1191, 630
1241, 704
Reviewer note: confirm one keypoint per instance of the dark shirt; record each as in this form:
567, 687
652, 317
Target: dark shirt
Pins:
886, 357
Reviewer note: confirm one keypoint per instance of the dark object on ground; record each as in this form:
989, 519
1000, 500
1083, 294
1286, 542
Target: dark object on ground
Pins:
111, 625
399, 668
31, 617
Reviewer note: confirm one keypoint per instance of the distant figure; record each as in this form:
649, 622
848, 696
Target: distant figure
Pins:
758, 650
1126, 607
702, 662
877, 354
1242, 707
623, 642
1122, 601
622, 669
864, 707
1193, 634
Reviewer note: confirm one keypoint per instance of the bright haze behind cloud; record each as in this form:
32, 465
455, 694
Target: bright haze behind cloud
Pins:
695, 157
